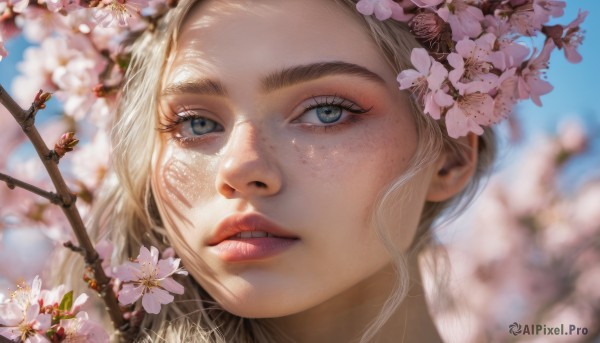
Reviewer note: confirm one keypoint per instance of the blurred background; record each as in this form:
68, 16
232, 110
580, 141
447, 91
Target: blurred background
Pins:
527, 252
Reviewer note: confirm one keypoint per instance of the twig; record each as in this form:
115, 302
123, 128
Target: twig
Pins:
26, 118
5, 340
11, 182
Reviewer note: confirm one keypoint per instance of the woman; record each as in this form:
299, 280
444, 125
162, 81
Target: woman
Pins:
269, 144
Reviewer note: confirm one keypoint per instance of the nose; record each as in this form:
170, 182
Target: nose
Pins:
247, 168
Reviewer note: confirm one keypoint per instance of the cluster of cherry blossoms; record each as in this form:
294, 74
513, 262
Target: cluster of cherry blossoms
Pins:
33, 315
475, 66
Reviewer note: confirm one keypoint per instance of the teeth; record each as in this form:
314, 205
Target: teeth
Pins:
252, 234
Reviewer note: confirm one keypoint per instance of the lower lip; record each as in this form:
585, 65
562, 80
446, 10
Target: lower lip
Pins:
252, 249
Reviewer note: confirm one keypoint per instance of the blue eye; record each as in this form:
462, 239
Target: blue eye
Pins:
202, 126
329, 114
329, 111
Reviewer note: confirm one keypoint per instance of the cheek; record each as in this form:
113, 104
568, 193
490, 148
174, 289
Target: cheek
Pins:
181, 183
183, 177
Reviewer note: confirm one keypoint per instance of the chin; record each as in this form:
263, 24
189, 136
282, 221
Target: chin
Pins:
259, 307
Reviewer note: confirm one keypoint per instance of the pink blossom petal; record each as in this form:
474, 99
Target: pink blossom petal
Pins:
171, 285
466, 47
365, 7
437, 76
538, 88
11, 314
421, 60
382, 11
152, 300
37, 338
431, 107
130, 294
80, 301
12, 333
167, 267
443, 99
126, 272
572, 54
43, 322
408, 78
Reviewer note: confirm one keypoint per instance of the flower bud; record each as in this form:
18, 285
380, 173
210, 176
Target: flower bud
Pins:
41, 98
65, 144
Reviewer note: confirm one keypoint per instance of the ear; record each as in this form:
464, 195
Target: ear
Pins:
453, 170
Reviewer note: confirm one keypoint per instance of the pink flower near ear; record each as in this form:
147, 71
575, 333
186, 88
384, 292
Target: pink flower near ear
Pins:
426, 81
472, 63
383, 9
149, 279
464, 20
469, 112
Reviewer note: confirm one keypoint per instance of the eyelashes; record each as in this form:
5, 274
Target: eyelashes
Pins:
334, 100
324, 113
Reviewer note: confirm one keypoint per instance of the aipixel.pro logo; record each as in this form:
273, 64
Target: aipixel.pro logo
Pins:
546, 330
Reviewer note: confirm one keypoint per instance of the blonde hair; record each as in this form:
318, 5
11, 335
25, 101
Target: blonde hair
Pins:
126, 214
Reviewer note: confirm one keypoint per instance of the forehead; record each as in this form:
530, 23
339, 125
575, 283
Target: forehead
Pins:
232, 37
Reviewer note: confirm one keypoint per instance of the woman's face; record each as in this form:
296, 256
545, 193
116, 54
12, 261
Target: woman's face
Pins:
280, 117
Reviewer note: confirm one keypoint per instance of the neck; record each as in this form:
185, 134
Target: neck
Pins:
345, 317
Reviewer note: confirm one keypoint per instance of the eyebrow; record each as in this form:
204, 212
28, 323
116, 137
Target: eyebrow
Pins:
279, 79
303, 73
197, 86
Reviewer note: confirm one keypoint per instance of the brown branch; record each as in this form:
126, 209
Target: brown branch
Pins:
5, 340
11, 182
26, 118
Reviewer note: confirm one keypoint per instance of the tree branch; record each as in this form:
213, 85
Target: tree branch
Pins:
26, 118
11, 182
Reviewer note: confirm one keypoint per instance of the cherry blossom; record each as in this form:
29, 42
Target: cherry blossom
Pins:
150, 279
426, 81
20, 316
119, 12
530, 83
544, 9
464, 19
383, 9
468, 112
523, 20
27, 325
473, 62
573, 38
82, 329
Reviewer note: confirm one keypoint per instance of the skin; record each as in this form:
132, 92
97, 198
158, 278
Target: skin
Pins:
273, 157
